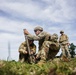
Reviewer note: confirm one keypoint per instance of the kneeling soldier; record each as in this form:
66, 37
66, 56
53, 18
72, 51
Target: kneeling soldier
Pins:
23, 51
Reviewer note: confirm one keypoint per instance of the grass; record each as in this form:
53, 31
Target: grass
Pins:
56, 66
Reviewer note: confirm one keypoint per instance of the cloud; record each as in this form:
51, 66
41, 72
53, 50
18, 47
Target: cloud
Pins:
56, 11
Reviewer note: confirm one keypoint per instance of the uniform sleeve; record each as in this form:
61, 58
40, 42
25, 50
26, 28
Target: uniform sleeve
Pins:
67, 38
40, 36
22, 48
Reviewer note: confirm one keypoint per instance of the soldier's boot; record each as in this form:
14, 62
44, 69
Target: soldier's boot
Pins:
41, 62
69, 55
65, 59
63, 53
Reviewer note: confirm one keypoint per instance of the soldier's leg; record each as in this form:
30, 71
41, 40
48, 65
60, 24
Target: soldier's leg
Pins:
63, 50
43, 55
64, 55
45, 48
44, 51
67, 49
38, 54
21, 58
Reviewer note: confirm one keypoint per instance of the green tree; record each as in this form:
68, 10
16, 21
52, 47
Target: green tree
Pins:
72, 50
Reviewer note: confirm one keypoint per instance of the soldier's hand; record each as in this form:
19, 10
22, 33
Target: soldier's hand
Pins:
68, 44
26, 32
32, 52
25, 52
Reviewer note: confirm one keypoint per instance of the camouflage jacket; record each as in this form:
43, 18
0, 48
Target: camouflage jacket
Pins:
43, 36
23, 47
63, 39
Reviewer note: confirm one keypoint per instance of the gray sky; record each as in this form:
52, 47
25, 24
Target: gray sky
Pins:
52, 15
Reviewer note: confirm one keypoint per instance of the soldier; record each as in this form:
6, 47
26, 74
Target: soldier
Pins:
23, 50
50, 48
45, 41
64, 43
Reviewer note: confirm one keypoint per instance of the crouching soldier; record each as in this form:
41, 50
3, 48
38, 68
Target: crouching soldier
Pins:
49, 48
24, 54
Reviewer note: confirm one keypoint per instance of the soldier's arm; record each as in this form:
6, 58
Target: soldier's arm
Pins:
60, 40
22, 49
40, 36
26, 32
33, 37
67, 40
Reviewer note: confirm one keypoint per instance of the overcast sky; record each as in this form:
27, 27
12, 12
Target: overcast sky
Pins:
52, 15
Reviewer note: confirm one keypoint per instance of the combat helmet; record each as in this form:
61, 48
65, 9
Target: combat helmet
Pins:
38, 28
61, 31
55, 35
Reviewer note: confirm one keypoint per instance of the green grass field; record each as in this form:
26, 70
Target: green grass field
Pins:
55, 67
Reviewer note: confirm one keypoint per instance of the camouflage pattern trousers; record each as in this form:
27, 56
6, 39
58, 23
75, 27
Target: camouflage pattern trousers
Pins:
65, 50
48, 50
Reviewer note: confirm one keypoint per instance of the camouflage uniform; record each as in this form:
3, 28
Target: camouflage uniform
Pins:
49, 48
23, 47
45, 41
63, 40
